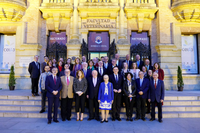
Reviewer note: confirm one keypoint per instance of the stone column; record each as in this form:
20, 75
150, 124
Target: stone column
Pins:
121, 21
74, 45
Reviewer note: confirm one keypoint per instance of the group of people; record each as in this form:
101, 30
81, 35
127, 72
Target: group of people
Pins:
100, 84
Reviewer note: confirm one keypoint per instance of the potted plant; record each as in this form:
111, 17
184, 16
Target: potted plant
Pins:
12, 80
180, 83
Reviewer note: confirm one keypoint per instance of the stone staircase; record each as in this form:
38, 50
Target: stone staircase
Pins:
28, 106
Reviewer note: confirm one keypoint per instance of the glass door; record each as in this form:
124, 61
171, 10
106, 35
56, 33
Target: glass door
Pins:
97, 54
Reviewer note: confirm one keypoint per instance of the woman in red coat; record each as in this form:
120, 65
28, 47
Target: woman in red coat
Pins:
156, 67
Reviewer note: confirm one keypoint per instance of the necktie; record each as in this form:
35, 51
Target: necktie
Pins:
54, 80
85, 73
100, 71
155, 84
37, 65
116, 78
67, 81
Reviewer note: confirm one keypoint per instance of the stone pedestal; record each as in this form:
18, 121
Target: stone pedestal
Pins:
123, 47
73, 48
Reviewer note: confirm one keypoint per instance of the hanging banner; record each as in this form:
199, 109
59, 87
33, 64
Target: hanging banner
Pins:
7, 53
60, 38
136, 38
98, 41
189, 54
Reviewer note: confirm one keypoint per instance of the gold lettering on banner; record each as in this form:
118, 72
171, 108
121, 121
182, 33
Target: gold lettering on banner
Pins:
98, 23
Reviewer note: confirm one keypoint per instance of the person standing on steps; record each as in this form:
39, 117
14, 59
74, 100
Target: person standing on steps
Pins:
53, 85
80, 88
42, 88
34, 70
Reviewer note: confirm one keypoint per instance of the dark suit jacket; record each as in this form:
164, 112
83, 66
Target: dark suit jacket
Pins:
116, 85
110, 70
158, 92
58, 74
126, 90
33, 70
120, 63
106, 68
89, 73
144, 88
93, 91
43, 66
141, 64
99, 75
50, 86
129, 64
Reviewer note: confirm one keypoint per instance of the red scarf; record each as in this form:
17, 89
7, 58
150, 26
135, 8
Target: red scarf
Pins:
60, 68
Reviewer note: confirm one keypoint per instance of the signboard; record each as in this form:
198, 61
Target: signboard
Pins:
7, 53
136, 38
99, 23
24, 61
189, 54
98, 41
60, 38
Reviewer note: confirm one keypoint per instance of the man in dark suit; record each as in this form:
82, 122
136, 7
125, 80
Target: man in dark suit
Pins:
119, 63
142, 85
53, 85
101, 70
92, 94
111, 66
87, 72
46, 59
128, 61
147, 65
116, 79
139, 62
156, 96
34, 70
106, 64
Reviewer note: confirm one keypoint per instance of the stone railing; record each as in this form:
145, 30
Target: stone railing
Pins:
140, 1
18, 2
56, 1
98, 1
184, 2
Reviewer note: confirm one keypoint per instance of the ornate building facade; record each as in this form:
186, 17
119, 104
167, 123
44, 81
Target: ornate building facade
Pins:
163, 28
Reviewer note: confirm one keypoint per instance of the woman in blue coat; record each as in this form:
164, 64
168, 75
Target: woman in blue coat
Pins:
105, 98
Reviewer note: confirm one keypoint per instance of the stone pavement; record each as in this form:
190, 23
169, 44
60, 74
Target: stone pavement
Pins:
39, 125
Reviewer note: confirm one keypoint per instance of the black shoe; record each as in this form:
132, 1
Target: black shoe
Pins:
102, 121
56, 121
119, 119
127, 119
151, 119
89, 119
49, 122
106, 120
42, 111
131, 119
97, 119
63, 119
33, 95
143, 119
136, 118
113, 119
36, 94
69, 119
160, 121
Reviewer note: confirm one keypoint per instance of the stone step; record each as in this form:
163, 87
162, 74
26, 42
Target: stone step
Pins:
182, 102
38, 102
39, 97
34, 114
123, 109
